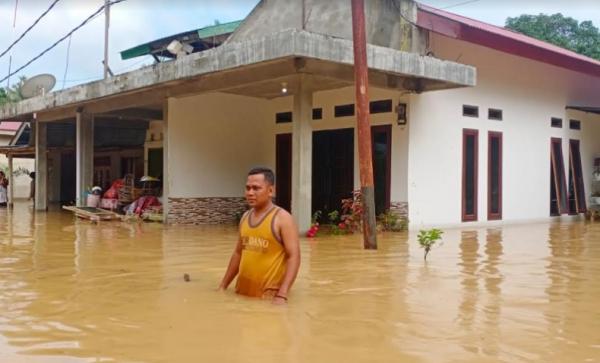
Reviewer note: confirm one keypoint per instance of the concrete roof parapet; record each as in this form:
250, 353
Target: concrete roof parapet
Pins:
286, 44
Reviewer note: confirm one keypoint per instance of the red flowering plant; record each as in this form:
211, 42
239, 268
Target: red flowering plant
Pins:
350, 220
352, 209
314, 226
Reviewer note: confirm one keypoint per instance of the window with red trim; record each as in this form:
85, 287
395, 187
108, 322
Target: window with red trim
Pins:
469, 174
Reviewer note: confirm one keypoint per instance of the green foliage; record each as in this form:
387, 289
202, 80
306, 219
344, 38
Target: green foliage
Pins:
13, 94
316, 216
21, 171
389, 221
333, 216
566, 32
428, 238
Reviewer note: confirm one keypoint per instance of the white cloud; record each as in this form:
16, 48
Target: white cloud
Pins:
134, 22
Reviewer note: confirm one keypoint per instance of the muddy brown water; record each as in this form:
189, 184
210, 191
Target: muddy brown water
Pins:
73, 292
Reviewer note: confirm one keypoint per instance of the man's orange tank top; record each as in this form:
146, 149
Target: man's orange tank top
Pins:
263, 262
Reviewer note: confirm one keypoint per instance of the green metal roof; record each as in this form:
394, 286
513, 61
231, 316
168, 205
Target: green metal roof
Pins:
202, 33
219, 29
136, 51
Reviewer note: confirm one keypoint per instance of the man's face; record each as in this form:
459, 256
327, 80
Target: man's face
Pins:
258, 191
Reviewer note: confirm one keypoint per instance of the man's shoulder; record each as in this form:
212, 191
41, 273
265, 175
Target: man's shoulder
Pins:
283, 216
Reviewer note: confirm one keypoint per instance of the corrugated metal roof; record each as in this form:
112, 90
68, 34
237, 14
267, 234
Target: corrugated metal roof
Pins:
219, 29
192, 35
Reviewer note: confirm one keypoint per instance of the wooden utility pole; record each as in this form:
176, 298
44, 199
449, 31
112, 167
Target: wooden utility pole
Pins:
363, 124
106, 25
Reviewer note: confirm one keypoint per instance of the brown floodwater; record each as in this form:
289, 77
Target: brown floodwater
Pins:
71, 291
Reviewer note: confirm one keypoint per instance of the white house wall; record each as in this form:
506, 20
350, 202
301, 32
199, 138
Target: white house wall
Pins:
530, 94
22, 182
213, 140
327, 100
216, 138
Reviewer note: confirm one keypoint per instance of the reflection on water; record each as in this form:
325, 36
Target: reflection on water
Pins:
71, 291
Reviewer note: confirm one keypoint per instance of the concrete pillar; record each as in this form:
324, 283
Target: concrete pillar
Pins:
11, 182
84, 155
302, 153
54, 175
41, 166
166, 175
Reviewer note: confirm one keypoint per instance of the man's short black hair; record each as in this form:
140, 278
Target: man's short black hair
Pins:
266, 172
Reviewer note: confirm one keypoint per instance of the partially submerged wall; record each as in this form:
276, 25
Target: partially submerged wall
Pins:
214, 139
529, 93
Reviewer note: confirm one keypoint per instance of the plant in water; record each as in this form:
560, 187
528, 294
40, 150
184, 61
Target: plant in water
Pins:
333, 216
314, 227
391, 222
352, 209
428, 238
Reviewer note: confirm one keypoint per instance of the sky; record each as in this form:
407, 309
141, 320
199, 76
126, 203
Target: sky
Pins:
134, 22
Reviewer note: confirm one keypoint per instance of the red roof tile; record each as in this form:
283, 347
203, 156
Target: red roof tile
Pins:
9, 125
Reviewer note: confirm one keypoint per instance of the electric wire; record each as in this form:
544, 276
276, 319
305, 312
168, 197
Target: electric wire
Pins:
459, 4
87, 20
28, 29
98, 77
67, 62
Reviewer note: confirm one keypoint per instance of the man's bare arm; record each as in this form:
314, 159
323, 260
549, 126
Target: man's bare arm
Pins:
289, 236
233, 267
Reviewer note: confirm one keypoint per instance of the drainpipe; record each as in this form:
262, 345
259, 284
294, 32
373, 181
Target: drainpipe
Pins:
363, 124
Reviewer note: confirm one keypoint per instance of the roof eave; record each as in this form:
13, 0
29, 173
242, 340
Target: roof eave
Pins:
433, 20
283, 45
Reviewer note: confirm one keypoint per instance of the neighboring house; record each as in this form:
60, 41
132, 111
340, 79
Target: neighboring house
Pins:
22, 186
471, 122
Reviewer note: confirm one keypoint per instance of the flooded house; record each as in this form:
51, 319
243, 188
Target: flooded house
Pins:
471, 123
19, 166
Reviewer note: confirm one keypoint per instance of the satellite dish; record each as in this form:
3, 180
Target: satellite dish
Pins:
37, 86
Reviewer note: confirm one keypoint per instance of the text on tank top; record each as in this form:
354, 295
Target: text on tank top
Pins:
263, 262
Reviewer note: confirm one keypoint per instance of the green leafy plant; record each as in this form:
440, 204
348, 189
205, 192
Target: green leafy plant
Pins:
21, 171
333, 216
428, 238
391, 222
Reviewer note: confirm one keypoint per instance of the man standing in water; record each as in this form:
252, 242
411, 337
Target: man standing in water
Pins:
266, 258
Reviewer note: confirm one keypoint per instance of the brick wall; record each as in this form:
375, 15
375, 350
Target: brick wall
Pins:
213, 210
399, 208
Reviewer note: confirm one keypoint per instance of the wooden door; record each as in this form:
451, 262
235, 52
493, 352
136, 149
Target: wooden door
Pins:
382, 161
333, 169
283, 165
